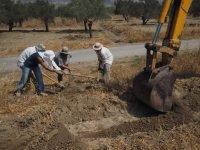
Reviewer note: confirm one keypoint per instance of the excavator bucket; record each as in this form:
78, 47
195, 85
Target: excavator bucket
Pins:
154, 88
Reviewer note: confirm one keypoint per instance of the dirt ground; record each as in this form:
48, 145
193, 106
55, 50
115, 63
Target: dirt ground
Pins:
90, 115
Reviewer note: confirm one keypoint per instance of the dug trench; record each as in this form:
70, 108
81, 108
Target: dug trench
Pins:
90, 115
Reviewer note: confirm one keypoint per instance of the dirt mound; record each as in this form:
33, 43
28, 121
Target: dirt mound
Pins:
90, 115
182, 114
164, 121
63, 139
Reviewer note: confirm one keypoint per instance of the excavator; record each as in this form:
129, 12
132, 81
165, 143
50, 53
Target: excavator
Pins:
154, 84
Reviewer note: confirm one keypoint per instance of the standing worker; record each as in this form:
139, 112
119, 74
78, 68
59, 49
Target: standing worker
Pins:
32, 64
62, 59
105, 59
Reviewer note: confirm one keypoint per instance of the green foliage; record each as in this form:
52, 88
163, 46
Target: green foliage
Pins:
2, 13
147, 8
195, 8
21, 11
64, 11
123, 6
85, 9
8, 11
150, 8
42, 9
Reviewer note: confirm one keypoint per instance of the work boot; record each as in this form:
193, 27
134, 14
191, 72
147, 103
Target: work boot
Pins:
42, 94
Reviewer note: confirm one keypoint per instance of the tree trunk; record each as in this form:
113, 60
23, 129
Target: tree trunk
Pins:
90, 28
85, 24
144, 20
21, 22
10, 26
46, 25
126, 18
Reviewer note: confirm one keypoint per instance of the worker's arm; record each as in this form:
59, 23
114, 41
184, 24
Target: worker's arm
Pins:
45, 66
63, 67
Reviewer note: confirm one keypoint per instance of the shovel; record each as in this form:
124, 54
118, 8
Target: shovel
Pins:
79, 75
97, 75
52, 80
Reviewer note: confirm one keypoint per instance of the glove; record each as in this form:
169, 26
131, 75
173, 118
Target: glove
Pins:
59, 72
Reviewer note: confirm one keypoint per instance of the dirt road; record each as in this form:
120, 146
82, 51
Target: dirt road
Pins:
137, 49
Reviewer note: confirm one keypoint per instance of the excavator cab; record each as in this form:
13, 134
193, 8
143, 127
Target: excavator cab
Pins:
154, 84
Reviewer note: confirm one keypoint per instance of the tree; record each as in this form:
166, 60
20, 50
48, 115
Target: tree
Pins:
145, 9
8, 15
21, 10
64, 11
2, 13
150, 9
43, 10
195, 9
123, 7
88, 11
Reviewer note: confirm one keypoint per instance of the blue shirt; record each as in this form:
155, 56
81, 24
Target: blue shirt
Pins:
33, 60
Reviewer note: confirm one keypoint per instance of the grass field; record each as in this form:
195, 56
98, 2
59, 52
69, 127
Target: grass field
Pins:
66, 32
90, 115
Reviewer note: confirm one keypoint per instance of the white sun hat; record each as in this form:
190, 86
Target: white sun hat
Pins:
97, 46
40, 47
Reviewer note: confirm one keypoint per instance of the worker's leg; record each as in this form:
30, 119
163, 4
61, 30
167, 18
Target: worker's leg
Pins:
39, 79
28, 83
24, 78
33, 79
106, 72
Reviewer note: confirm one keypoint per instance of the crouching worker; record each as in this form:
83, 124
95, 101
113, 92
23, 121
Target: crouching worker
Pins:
32, 64
62, 60
105, 59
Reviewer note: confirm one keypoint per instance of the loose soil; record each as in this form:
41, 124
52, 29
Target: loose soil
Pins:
90, 115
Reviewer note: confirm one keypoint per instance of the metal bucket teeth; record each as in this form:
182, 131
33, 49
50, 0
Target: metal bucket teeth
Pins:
155, 89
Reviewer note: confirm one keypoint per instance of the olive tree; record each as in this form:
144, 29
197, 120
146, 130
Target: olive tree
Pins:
88, 11
123, 7
150, 9
195, 9
7, 13
43, 10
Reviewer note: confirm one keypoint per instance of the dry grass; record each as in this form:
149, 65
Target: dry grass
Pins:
133, 31
123, 70
67, 32
187, 64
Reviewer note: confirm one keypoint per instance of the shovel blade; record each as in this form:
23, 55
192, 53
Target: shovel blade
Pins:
155, 89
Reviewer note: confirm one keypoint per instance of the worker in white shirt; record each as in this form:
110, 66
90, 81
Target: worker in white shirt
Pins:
105, 59
26, 54
48, 57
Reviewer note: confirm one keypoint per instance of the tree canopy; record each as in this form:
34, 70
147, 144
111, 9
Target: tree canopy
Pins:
143, 8
86, 9
195, 8
43, 10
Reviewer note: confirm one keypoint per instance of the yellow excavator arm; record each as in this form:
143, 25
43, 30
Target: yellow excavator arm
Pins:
177, 20
154, 85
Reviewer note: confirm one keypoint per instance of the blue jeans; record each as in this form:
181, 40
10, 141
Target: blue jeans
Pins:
25, 76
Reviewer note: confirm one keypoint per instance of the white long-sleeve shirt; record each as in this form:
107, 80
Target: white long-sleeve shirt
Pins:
25, 54
48, 57
105, 56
